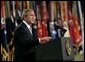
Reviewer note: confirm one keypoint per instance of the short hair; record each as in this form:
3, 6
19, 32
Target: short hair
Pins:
26, 12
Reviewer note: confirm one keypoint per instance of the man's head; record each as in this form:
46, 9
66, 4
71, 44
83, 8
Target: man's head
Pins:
29, 16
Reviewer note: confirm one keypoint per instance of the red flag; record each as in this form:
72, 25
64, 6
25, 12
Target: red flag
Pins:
39, 26
39, 32
3, 9
71, 26
77, 35
70, 21
74, 26
43, 10
44, 18
2, 13
44, 29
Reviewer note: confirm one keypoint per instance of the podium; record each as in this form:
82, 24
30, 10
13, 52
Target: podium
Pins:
58, 49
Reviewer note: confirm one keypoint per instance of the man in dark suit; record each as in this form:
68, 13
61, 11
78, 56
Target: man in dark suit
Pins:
24, 39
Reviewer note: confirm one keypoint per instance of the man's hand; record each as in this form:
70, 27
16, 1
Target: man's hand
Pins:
44, 40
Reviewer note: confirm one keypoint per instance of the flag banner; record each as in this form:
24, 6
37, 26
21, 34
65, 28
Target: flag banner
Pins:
70, 21
18, 12
53, 32
28, 2
3, 26
4, 35
17, 5
18, 8
43, 11
38, 18
58, 21
64, 17
24, 3
77, 35
13, 7
30, 5
20, 4
73, 24
7, 9
34, 6
4, 44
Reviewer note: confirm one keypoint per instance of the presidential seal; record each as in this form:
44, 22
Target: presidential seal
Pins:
68, 47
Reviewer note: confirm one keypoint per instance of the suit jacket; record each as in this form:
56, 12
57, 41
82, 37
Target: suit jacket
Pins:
24, 43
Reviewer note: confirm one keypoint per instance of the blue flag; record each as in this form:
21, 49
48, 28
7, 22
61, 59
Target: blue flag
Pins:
4, 34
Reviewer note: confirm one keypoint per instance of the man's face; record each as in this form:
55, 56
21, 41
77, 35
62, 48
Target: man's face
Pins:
30, 18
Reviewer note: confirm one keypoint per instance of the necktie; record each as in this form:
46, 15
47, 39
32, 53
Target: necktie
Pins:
34, 31
30, 30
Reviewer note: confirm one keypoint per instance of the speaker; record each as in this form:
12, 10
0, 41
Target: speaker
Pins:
58, 49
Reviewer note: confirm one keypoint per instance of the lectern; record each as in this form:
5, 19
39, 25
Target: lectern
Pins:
58, 49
